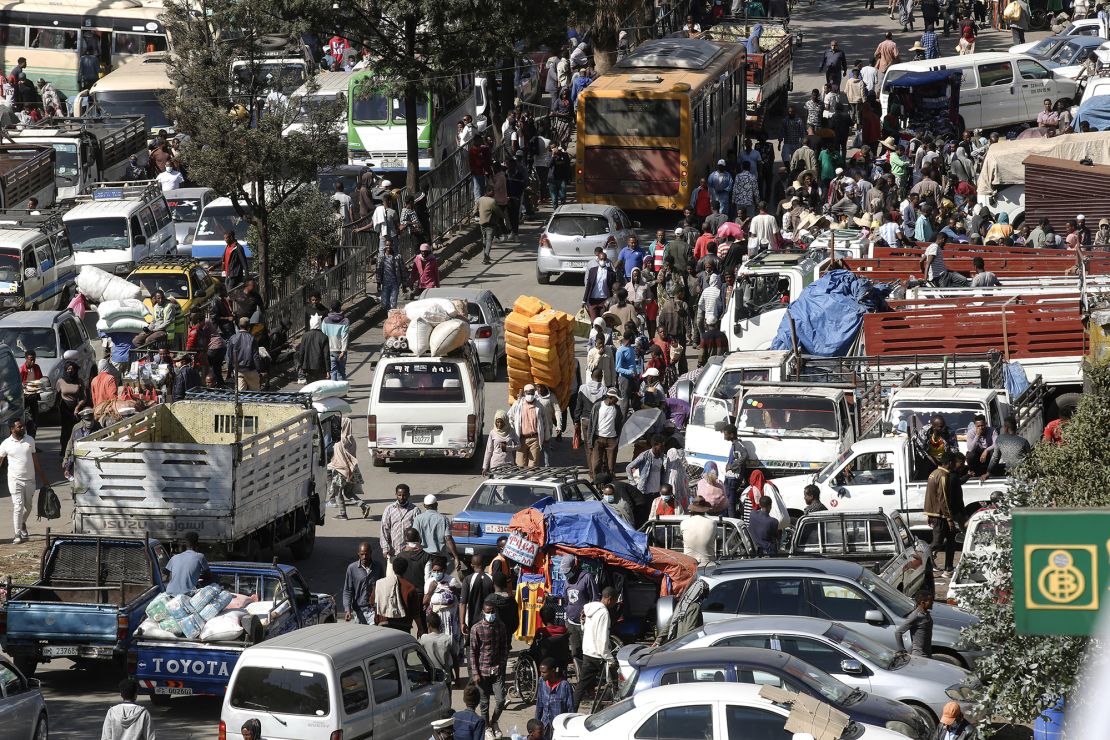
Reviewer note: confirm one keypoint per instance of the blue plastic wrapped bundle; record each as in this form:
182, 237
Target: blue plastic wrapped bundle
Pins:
216, 605
191, 626
157, 610
180, 607
203, 597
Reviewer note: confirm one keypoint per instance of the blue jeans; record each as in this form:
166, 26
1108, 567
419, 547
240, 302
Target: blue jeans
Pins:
391, 293
479, 182
558, 192
338, 366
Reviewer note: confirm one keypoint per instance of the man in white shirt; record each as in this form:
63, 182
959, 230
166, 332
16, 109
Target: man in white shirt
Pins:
170, 178
343, 200
763, 228
595, 642
869, 73
699, 533
19, 452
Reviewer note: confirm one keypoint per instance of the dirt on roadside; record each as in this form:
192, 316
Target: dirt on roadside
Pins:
20, 562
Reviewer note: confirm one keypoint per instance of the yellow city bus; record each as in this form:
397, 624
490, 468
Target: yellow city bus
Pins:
656, 123
53, 35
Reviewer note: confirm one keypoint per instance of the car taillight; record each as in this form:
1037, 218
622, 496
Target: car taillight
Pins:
471, 427
463, 529
222, 735
579, 172
545, 243
484, 333
372, 428
122, 630
337, 735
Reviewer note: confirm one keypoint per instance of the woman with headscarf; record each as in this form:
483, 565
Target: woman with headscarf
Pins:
105, 385
760, 486
677, 477
601, 357
1000, 231
72, 396
346, 478
252, 730
502, 443
441, 597
710, 489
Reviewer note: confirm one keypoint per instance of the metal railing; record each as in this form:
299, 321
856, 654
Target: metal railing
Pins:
649, 21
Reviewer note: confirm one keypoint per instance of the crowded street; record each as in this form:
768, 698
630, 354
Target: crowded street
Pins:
770, 378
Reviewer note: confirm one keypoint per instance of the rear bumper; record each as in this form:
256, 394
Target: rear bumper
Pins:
415, 453
549, 261
56, 650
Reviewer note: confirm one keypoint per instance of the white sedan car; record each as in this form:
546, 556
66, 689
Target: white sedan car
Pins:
700, 711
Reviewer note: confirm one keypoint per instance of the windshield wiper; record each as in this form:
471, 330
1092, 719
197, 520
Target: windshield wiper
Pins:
759, 432
256, 705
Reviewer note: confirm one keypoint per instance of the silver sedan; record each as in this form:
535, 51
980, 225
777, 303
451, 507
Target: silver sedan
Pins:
22, 708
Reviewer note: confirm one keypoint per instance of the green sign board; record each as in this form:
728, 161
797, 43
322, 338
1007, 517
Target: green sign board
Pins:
1061, 569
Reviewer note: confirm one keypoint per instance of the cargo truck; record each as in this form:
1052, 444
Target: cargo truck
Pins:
770, 69
26, 172
244, 476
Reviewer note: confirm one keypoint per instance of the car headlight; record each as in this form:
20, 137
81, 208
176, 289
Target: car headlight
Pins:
964, 692
902, 728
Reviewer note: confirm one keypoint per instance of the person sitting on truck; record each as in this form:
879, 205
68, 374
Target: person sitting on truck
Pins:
1053, 430
163, 327
812, 496
128, 720
936, 439
1008, 451
981, 439
187, 568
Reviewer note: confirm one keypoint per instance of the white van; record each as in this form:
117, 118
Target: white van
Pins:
426, 407
119, 224
336, 680
998, 89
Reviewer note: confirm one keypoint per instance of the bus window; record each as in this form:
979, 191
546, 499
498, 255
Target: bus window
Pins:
13, 36
373, 108
52, 38
421, 110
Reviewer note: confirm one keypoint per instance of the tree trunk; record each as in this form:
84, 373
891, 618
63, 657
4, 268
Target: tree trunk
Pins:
412, 139
263, 227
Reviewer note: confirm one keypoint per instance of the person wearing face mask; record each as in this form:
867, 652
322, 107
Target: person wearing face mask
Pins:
621, 506
532, 424
1102, 236
665, 503
953, 725
441, 598
501, 445
488, 654
651, 392
550, 405
606, 421
22, 458
600, 280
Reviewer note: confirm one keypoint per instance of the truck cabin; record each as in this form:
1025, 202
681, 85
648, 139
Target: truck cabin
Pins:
908, 416
88, 571
855, 533
780, 414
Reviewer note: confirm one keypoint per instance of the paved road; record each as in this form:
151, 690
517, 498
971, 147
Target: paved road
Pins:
78, 699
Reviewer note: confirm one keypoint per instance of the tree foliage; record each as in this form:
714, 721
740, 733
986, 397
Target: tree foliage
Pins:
251, 157
303, 233
1023, 675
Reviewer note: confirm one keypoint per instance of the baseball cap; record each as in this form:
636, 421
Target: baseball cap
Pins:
612, 393
651, 372
529, 387
430, 500
678, 231
720, 163
1080, 217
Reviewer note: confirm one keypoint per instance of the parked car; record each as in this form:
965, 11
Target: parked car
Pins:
831, 589
874, 539
733, 539
715, 711
185, 206
978, 538
49, 334
507, 490
22, 708
1065, 55
568, 240
1092, 27
844, 653
184, 278
486, 317
753, 665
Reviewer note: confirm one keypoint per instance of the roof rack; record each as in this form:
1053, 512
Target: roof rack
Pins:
227, 394
169, 259
561, 474
64, 123
145, 189
44, 220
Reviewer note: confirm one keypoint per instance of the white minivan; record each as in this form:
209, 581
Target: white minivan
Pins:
119, 224
336, 680
998, 89
426, 407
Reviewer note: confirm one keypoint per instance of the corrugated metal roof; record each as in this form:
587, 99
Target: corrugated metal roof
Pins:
1060, 189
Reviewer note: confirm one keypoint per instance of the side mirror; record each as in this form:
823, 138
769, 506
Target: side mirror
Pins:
874, 616
30, 273
851, 667
439, 675
507, 310
140, 239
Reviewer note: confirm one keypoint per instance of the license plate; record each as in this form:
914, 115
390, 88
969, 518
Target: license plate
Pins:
59, 651
496, 528
172, 691
576, 265
422, 436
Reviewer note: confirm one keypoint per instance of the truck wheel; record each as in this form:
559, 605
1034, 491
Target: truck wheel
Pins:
27, 664
1063, 402
302, 548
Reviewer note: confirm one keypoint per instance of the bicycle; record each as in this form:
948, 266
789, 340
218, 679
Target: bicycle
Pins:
609, 690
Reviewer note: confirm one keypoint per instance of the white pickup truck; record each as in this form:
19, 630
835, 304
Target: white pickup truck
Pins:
765, 284
883, 471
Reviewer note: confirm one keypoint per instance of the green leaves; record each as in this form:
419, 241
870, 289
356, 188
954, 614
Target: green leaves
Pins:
1025, 674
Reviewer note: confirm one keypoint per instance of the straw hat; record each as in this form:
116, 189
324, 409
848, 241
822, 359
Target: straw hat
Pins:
862, 221
889, 143
917, 46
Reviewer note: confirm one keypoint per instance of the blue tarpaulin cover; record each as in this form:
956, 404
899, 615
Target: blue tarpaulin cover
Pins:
1095, 111
919, 79
829, 312
593, 524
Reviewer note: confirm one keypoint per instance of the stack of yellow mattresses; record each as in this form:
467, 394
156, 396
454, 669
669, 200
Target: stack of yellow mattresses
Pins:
539, 342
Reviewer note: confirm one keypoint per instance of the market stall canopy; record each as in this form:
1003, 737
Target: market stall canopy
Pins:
1004, 163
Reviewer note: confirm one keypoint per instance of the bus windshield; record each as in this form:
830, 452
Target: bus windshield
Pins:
374, 108
89, 234
215, 222
399, 110
633, 117
132, 102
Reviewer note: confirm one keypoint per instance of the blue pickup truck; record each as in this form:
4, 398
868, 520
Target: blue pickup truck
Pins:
168, 668
486, 516
91, 595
